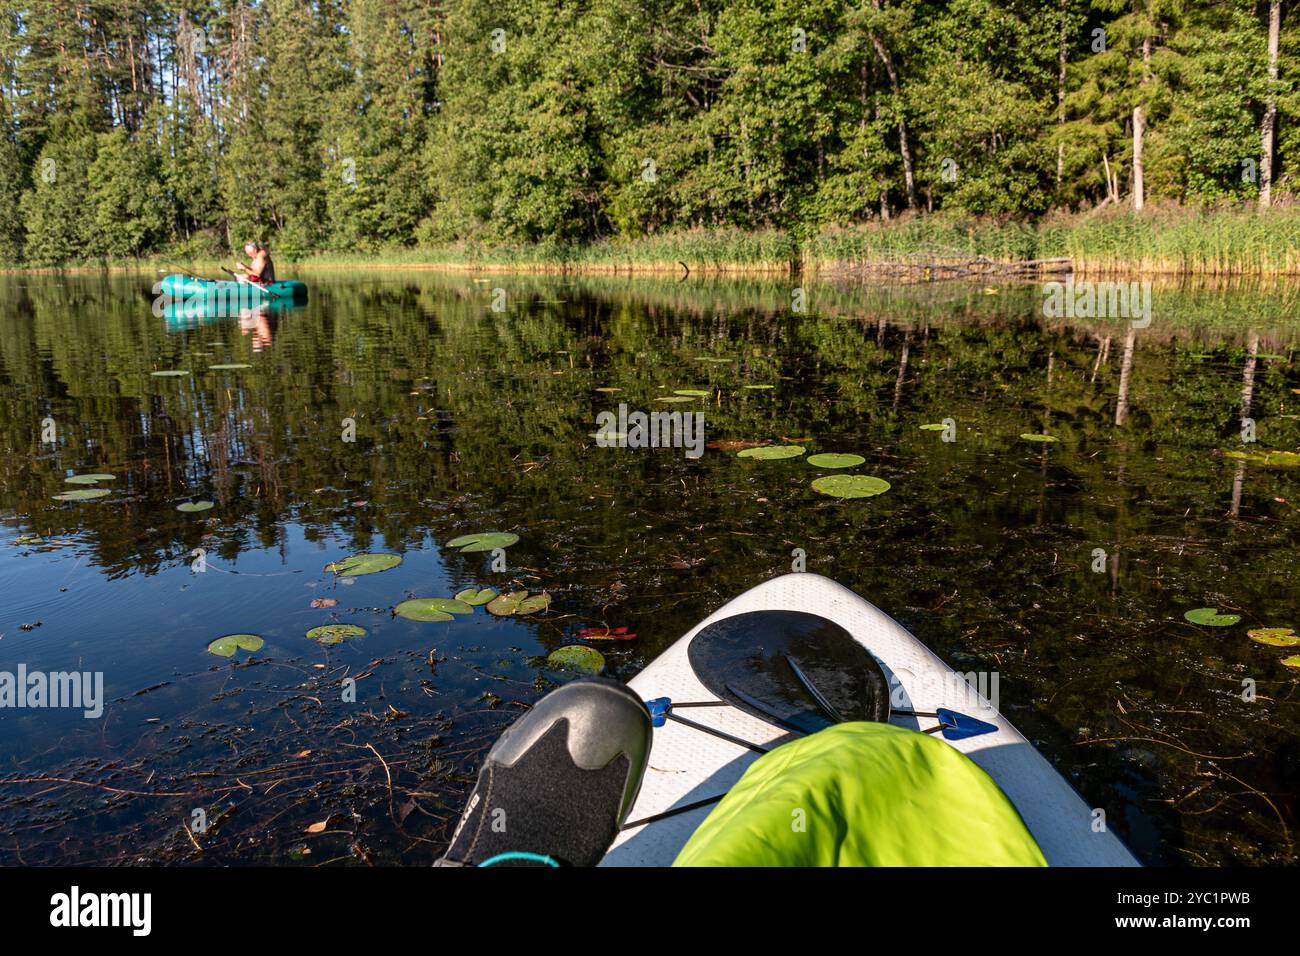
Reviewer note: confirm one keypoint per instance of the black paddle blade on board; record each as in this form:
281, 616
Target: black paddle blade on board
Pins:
790, 668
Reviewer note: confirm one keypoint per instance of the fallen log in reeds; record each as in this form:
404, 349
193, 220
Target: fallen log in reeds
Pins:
930, 268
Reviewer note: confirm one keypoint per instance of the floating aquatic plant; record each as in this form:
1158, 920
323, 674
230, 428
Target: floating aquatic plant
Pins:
357, 564
331, 634
1275, 636
772, 452
577, 657
518, 603
1031, 436
227, 645
484, 541
88, 479
1211, 617
475, 597
851, 486
191, 507
835, 461
82, 494
432, 609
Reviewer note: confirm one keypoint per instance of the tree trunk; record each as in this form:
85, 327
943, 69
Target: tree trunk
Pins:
1139, 133
909, 180
1062, 57
884, 186
1270, 109
904, 148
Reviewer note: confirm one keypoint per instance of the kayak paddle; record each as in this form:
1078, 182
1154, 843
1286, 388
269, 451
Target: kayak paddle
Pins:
248, 281
182, 272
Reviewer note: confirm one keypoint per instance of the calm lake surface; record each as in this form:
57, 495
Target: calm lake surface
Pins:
468, 419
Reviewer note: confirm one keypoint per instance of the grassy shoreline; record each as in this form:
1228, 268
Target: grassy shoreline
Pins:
1169, 241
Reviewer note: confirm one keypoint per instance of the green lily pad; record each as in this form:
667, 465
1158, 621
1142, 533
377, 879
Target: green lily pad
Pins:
88, 479
608, 390
1211, 617
938, 427
518, 602
1292, 661
1031, 436
330, 634
772, 452
485, 541
577, 657
851, 486
29, 539
475, 597
190, 507
82, 494
835, 461
229, 366
692, 392
431, 609
672, 398
170, 373
1275, 636
226, 646
757, 387
710, 358
357, 564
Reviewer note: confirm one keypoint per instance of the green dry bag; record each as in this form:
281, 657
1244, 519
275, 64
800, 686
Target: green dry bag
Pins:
863, 794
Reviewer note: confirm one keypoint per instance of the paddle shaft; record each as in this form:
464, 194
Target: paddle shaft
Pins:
182, 272
247, 281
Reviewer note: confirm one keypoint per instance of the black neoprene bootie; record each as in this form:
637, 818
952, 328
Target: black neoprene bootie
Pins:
558, 784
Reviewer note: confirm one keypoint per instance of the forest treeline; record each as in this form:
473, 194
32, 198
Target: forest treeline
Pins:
139, 127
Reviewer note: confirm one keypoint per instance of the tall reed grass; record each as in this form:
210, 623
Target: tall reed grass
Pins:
1178, 241
1170, 240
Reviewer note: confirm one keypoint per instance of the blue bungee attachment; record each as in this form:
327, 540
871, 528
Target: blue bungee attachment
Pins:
659, 709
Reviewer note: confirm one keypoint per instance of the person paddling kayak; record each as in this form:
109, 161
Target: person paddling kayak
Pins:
260, 269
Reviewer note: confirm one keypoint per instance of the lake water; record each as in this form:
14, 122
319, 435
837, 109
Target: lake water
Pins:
394, 413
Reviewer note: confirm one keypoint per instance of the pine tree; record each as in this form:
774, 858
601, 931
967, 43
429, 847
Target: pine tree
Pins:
58, 221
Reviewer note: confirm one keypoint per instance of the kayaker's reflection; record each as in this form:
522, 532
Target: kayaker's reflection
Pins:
261, 323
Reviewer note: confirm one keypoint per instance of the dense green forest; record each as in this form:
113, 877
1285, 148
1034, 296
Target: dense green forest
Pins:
138, 127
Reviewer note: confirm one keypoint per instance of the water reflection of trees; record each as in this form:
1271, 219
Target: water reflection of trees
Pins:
450, 397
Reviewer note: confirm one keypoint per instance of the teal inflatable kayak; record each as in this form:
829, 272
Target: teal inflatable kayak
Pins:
801, 694
184, 288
